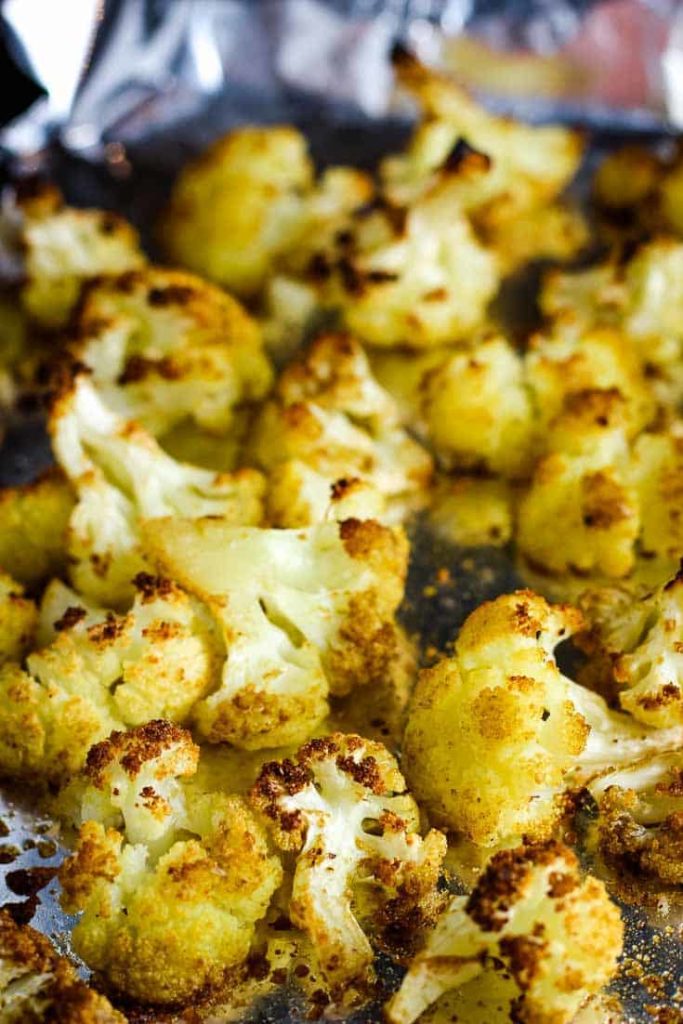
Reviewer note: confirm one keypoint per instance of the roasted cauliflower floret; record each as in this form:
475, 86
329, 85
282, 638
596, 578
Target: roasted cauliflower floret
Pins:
249, 202
105, 671
341, 804
37, 986
640, 823
641, 638
414, 276
18, 619
330, 414
303, 612
581, 512
122, 476
164, 346
472, 512
34, 520
478, 410
170, 887
657, 475
60, 248
525, 166
497, 735
531, 914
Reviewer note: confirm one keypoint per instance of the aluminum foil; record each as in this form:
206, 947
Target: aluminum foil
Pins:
131, 87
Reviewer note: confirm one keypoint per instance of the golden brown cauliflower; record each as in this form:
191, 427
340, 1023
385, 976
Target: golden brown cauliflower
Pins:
341, 804
303, 613
519, 166
170, 886
640, 821
532, 915
411, 276
640, 637
122, 476
34, 519
581, 512
164, 346
101, 671
329, 420
18, 619
37, 986
59, 248
251, 201
497, 735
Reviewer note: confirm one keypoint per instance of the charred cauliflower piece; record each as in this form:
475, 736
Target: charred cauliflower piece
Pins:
581, 512
524, 167
18, 619
531, 914
251, 201
59, 248
34, 520
640, 823
341, 804
101, 671
37, 986
497, 736
164, 346
303, 612
122, 476
329, 416
641, 637
408, 276
170, 888
657, 475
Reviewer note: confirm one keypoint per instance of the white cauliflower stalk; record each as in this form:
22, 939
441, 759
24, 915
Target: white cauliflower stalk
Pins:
303, 612
531, 914
101, 671
122, 476
164, 346
497, 737
170, 887
342, 806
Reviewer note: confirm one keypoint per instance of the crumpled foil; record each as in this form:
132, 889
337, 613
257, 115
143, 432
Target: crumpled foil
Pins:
131, 87
122, 72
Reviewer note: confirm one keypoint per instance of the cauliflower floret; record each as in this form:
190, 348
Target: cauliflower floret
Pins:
640, 824
581, 512
37, 986
639, 193
122, 476
165, 346
58, 249
497, 736
532, 914
414, 276
526, 166
556, 232
559, 365
34, 520
105, 671
472, 512
249, 201
330, 414
304, 612
342, 805
642, 640
479, 411
657, 474
170, 887
18, 619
